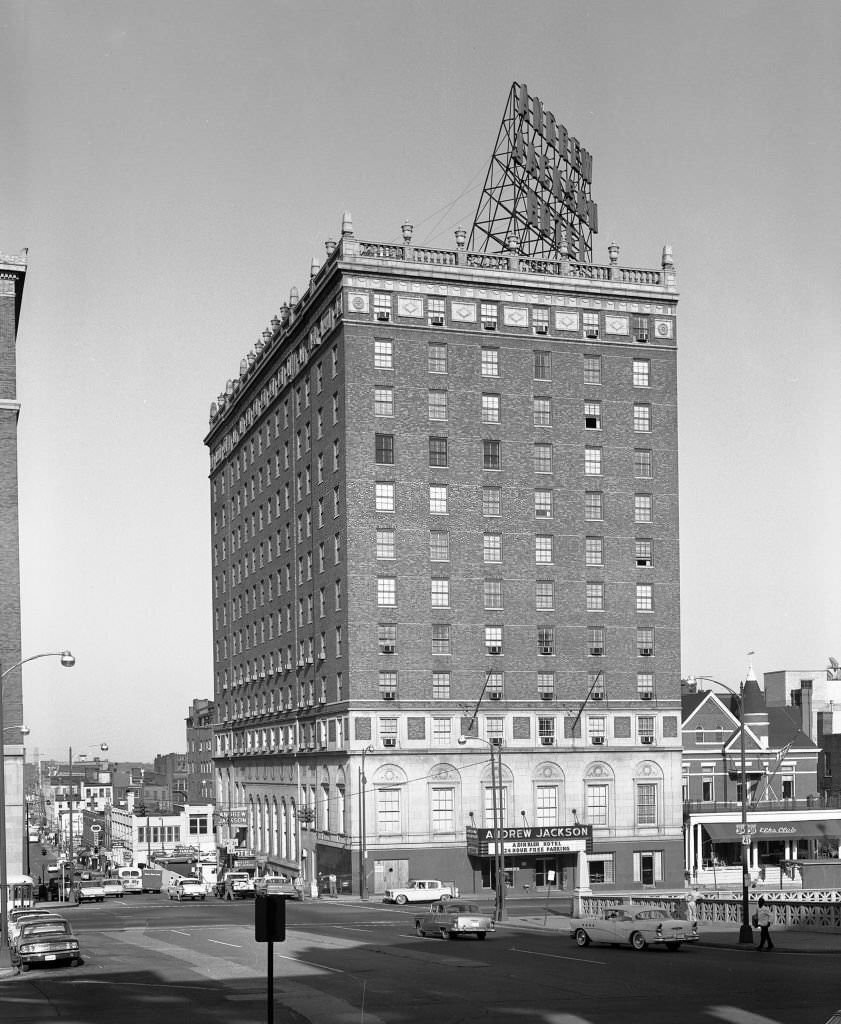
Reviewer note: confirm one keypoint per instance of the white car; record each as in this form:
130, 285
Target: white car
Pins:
89, 890
421, 890
637, 926
186, 889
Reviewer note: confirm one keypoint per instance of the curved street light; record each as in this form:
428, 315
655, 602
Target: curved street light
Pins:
68, 661
745, 930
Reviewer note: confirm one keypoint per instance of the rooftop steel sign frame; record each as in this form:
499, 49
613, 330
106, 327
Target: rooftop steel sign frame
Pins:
536, 198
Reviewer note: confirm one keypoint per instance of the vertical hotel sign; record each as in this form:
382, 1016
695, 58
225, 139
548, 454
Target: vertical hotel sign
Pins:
536, 198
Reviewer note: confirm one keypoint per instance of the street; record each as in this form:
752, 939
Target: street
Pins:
148, 959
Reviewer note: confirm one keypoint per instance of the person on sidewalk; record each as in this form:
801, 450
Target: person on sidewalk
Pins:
763, 920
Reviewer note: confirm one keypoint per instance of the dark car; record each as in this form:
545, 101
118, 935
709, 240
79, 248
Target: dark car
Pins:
45, 941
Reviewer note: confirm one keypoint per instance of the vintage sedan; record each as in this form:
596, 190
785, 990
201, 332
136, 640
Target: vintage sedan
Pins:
186, 889
24, 915
278, 885
114, 887
45, 941
88, 890
451, 918
635, 926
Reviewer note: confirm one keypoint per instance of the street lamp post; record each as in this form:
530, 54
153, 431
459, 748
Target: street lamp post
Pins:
363, 835
103, 747
745, 930
68, 661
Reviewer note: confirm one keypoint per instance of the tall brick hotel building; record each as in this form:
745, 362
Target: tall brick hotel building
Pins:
444, 499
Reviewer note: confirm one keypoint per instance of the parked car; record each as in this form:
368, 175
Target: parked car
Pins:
280, 885
451, 918
637, 926
45, 941
186, 889
113, 887
89, 890
24, 915
421, 890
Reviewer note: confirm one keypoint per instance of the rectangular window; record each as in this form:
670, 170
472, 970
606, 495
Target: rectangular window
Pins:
439, 546
592, 415
592, 461
593, 506
438, 499
597, 804
546, 731
440, 685
492, 590
595, 641
388, 800
437, 405
382, 306
436, 354
386, 591
493, 640
596, 685
591, 325
645, 728
642, 417
708, 790
488, 314
542, 504
546, 685
643, 507
645, 685
438, 453
388, 685
384, 496
543, 549
490, 362
540, 319
645, 597
494, 729
385, 543
643, 466
544, 595
646, 803
642, 373
442, 810
595, 597
639, 328
492, 547
594, 551
383, 401
542, 365
592, 369
440, 593
490, 408
387, 637
645, 641
440, 638
383, 354
442, 732
491, 501
496, 685
491, 455
543, 458
542, 412
596, 729
384, 449
546, 641
436, 310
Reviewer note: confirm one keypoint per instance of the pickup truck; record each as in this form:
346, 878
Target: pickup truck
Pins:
238, 885
421, 890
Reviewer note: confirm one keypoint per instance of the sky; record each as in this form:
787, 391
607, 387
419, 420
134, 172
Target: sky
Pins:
173, 168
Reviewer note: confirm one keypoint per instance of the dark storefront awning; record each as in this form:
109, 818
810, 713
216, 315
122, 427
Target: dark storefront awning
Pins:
806, 828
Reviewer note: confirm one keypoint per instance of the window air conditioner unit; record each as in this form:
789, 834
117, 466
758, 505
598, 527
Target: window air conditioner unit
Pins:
495, 696
494, 649
383, 314
592, 332
541, 329
322, 700
489, 325
388, 696
496, 741
646, 696
641, 338
597, 652
597, 741
546, 696
598, 696
547, 651
389, 741
647, 739
646, 652
546, 741
388, 649
436, 321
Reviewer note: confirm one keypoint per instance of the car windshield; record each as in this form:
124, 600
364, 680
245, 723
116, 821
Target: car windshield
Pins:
90, 885
463, 908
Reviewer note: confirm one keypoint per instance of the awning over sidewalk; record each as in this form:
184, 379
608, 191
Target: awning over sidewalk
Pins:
806, 828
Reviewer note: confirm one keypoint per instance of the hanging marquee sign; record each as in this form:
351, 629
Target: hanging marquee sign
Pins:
536, 199
539, 841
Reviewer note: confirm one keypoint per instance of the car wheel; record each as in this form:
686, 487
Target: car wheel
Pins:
638, 940
445, 896
481, 935
673, 946
76, 962
401, 899
581, 937
444, 933
419, 930
202, 898
23, 968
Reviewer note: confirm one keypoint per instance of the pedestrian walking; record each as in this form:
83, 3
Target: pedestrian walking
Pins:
762, 919
691, 906
332, 880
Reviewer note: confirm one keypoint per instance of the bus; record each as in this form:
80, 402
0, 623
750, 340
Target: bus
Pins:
131, 878
20, 891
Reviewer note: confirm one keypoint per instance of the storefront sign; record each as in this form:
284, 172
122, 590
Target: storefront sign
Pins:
539, 841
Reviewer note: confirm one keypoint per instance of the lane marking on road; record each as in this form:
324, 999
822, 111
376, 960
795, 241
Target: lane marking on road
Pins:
177, 932
557, 956
309, 963
219, 942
